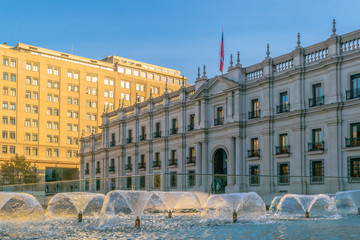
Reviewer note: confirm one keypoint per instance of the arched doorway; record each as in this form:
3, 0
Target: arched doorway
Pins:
220, 171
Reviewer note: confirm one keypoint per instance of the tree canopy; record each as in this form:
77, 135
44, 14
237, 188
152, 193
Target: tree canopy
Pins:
17, 170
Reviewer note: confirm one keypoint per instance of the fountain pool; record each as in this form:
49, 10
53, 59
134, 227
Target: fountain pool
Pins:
209, 220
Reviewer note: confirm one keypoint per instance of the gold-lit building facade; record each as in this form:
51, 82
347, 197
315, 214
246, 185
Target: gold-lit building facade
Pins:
49, 100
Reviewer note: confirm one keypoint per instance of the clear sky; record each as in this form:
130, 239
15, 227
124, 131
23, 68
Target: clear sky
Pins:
176, 34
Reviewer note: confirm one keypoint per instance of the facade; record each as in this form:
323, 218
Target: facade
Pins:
286, 124
50, 99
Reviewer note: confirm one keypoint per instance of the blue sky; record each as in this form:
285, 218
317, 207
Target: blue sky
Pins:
176, 34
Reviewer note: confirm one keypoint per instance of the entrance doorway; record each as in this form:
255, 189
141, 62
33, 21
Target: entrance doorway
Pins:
220, 171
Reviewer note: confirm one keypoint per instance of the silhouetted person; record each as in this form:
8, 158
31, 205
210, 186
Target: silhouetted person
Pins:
137, 222
234, 216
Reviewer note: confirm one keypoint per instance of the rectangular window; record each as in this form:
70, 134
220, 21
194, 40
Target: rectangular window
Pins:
12, 135
69, 88
56, 71
48, 139
5, 120
6, 62
27, 122
12, 121
6, 91
76, 75
191, 178
35, 123
94, 79
173, 179
5, 134
35, 95
12, 149
69, 74
56, 153
12, 106
35, 82
28, 80
13, 78
283, 173
27, 94
317, 171
219, 116
55, 139
56, 85
5, 105
354, 139
27, 151
34, 137
56, 98
28, 66
4, 149
5, 76
56, 125
27, 136
284, 103
354, 170
35, 109
35, 68
49, 97
48, 125
69, 153
13, 92
254, 173
13, 63
56, 112
49, 152
50, 70
49, 85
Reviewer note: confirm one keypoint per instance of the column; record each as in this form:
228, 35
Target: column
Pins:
238, 160
205, 164
231, 163
198, 164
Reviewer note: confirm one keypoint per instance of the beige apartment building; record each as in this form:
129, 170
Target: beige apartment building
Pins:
49, 100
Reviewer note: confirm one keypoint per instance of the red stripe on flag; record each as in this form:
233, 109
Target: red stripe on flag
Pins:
222, 53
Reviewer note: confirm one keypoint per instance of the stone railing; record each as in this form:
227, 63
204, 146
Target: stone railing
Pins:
350, 42
284, 62
316, 52
254, 72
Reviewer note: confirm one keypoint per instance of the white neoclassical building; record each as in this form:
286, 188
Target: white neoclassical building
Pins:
286, 124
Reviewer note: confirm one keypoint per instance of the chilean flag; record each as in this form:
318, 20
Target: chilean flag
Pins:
222, 52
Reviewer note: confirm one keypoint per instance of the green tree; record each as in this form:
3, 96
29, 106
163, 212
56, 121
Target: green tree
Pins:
17, 170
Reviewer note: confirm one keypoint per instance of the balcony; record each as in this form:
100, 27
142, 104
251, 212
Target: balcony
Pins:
191, 127
254, 114
353, 93
128, 167
87, 171
352, 142
129, 140
253, 153
316, 146
98, 170
313, 102
191, 160
283, 108
156, 164
173, 162
143, 137
112, 143
218, 121
157, 134
173, 131
112, 169
142, 166
283, 150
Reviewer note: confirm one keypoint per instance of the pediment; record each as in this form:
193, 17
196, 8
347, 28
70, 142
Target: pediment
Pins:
216, 86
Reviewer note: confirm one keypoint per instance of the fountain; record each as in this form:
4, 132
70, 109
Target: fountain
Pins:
72, 204
20, 206
348, 202
173, 202
274, 204
222, 207
306, 205
119, 203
